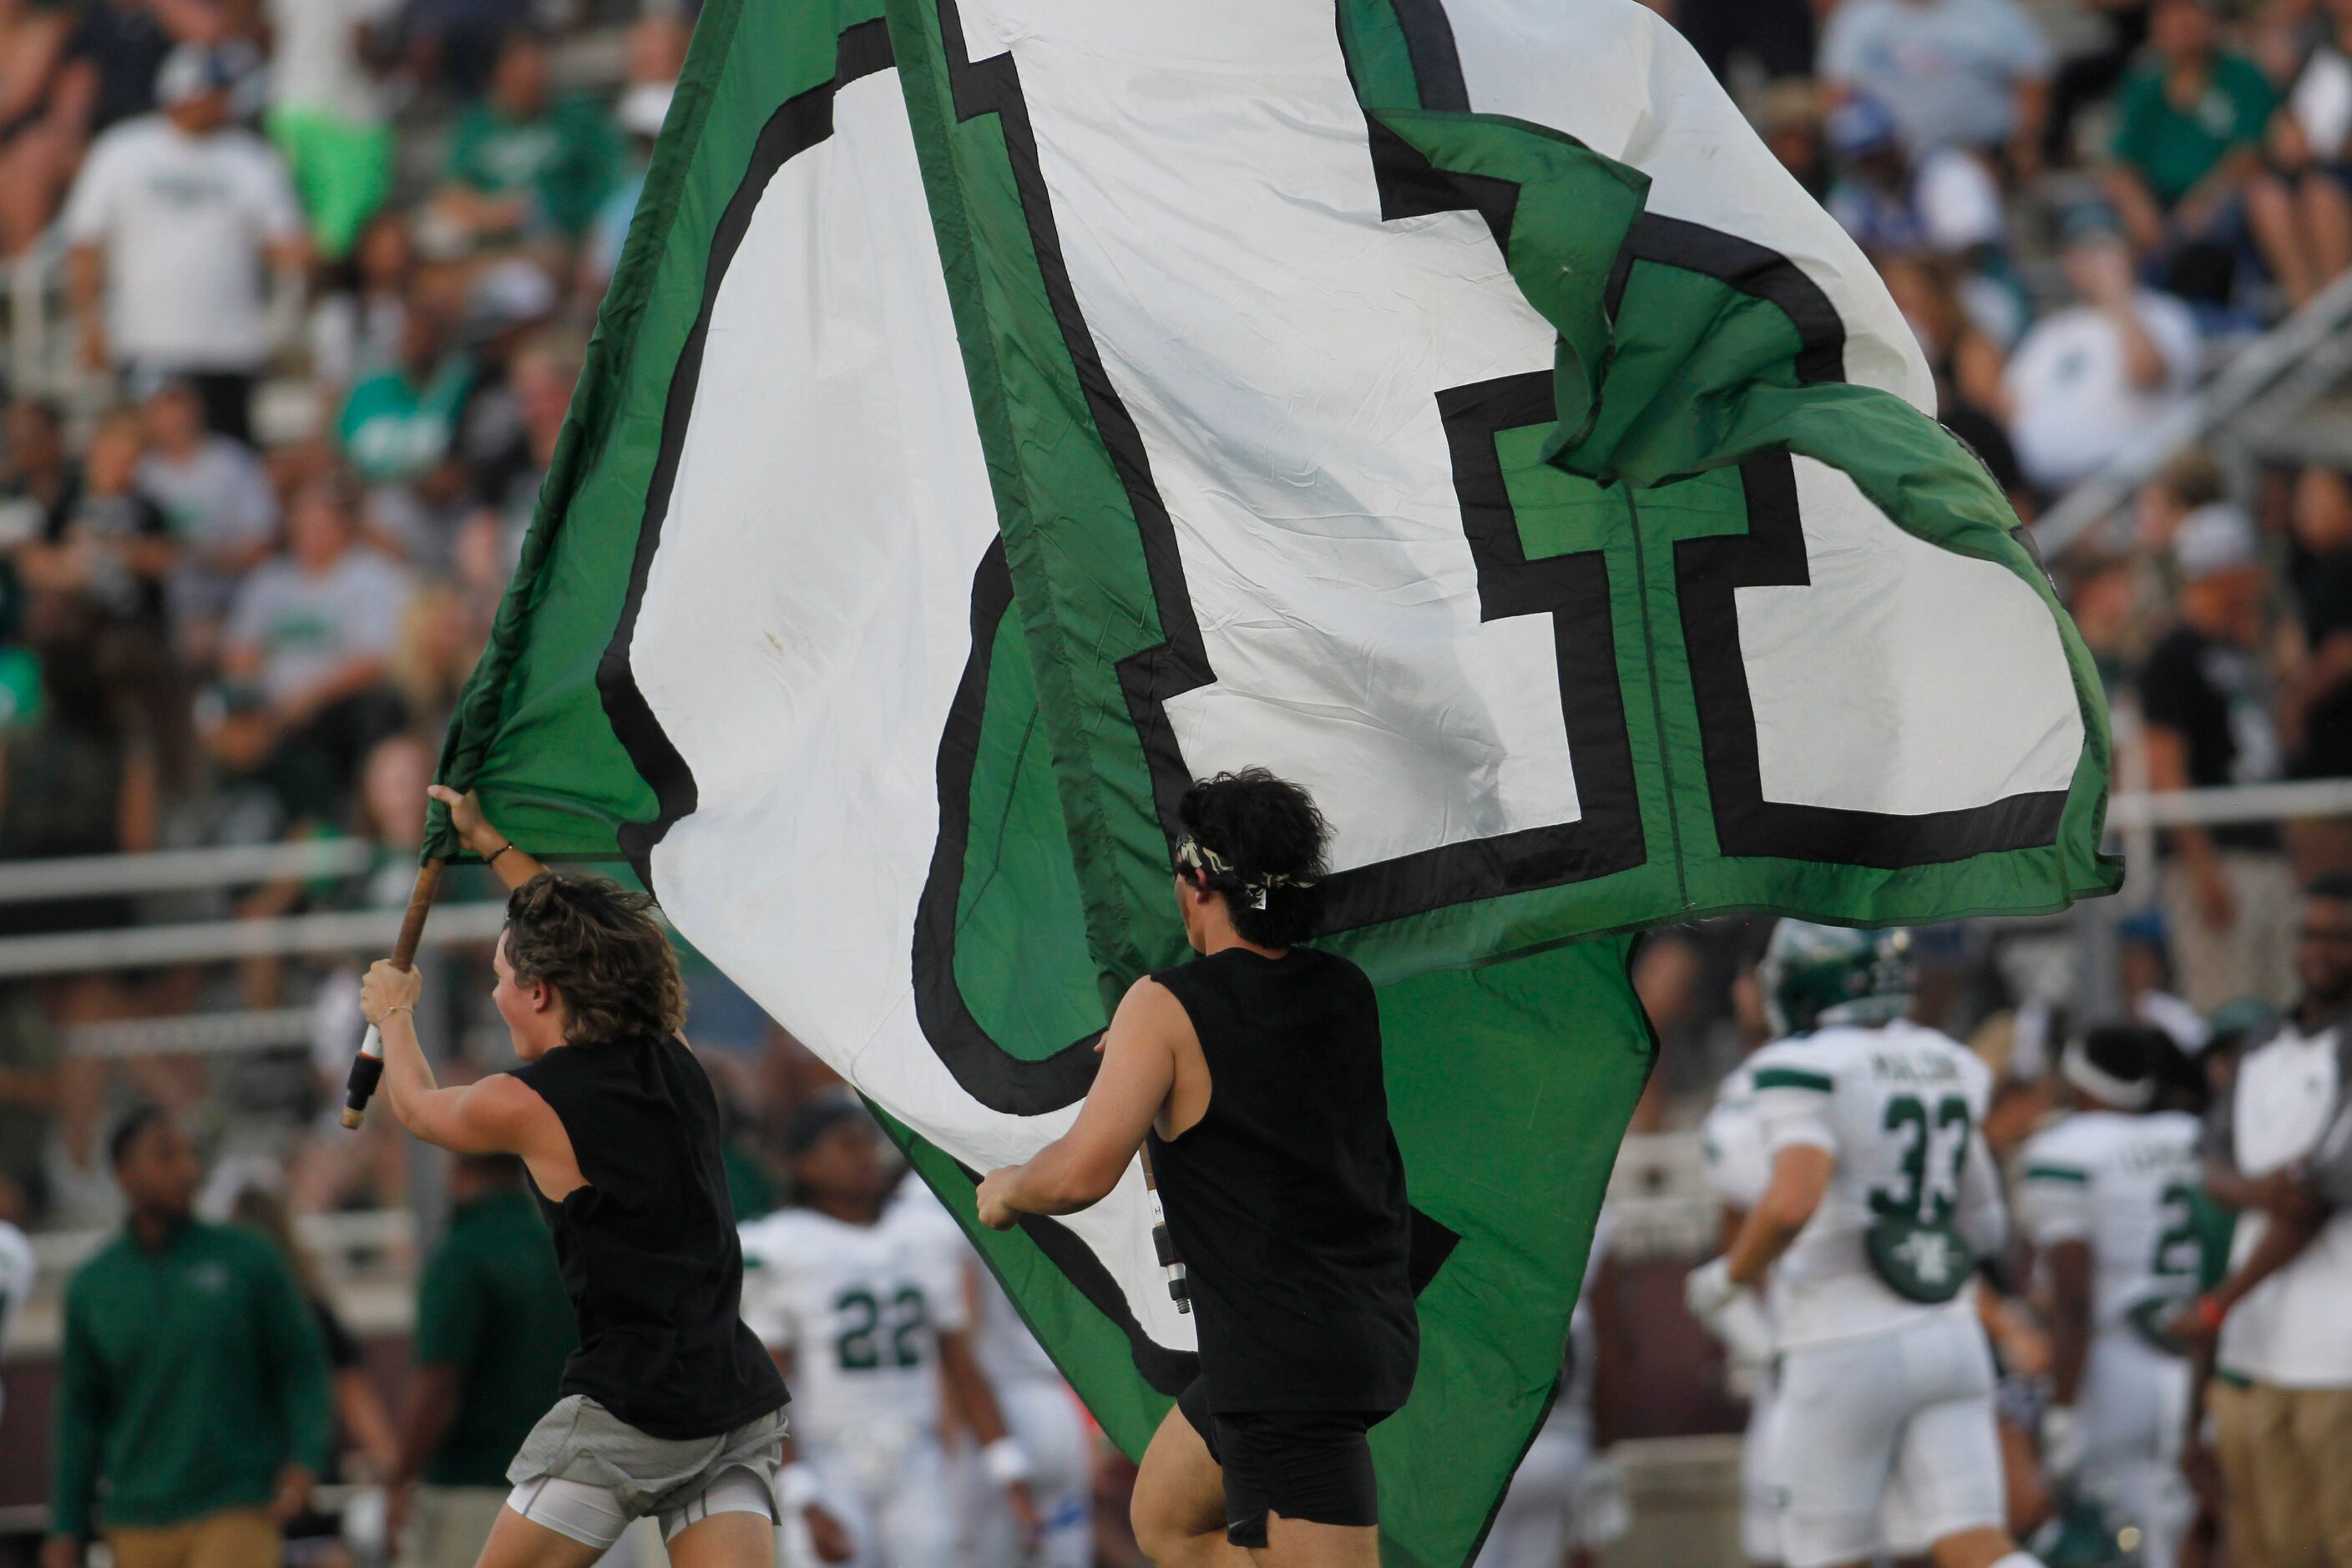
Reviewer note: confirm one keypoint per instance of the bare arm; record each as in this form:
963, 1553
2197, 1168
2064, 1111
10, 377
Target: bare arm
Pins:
1800, 1174
474, 830
2070, 1317
1080, 1168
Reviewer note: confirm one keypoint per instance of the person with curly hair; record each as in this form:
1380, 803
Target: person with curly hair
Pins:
670, 1406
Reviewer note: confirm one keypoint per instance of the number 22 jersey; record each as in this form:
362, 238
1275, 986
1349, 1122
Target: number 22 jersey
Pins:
1899, 1107
861, 1307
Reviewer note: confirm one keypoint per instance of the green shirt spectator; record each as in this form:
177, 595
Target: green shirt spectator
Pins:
491, 1309
522, 160
396, 428
192, 1376
2173, 137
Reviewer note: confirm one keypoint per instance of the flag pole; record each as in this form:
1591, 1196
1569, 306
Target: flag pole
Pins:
1180, 1286
367, 1068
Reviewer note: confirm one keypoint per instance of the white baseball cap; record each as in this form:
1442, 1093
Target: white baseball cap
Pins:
2215, 539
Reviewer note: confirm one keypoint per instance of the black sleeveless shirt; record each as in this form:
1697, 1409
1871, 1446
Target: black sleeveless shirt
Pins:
648, 1248
1286, 1199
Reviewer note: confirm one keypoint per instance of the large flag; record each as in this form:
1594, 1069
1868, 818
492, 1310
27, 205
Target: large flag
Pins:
1008, 410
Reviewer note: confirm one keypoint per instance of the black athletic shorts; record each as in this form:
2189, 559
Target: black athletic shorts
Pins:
1314, 1465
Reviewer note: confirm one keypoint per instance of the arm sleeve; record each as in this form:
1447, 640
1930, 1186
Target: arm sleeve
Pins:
1794, 1102
2054, 1200
1983, 1221
291, 1333
81, 1425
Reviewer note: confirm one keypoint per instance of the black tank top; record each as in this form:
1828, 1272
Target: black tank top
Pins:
1287, 1199
648, 1247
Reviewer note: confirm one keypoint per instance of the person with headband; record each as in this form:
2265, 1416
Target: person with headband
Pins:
1254, 1073
2107, 1198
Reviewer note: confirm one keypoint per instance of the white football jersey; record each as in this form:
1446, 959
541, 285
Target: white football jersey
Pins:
2127, 1185
1899, 1107
1731, 1139
1001, 1341
861, 1307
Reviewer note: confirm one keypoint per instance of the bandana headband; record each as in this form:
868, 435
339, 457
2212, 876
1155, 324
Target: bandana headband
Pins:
1195, 855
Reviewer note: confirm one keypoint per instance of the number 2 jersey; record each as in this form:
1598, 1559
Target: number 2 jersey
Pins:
2127, 1186
1899, 1107
861, 1307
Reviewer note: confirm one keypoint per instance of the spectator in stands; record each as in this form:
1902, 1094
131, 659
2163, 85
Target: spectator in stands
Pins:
2087, 78
192, 1389
2206, 704
308, 652
356, 329
222, 510
1967, 360
118, 48
1789, 118
2277, 1150
545, 373
113, 546
40, 137
170, 221
2088, 380
2311, 146
330, 112
1889, 198
658, 46
2188, 482
493, 1330
2316, 707
1973, 73
41, 480
2185, 170
525, 165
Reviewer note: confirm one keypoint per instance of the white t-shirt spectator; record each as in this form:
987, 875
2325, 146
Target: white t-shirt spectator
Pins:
217, 497
2073, 407
315, 57
306, 625
2289, 1332
1946, 69
184, 222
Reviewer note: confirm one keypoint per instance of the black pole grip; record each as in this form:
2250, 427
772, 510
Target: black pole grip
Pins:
367, 1071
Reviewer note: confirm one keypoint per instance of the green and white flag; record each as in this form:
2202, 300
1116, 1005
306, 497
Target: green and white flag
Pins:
1009, 410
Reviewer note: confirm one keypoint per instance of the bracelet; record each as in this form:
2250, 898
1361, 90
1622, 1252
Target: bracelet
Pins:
1004, 1462
492, 858
407, 1007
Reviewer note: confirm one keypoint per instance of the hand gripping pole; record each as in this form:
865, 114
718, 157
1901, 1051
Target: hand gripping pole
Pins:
367, 1068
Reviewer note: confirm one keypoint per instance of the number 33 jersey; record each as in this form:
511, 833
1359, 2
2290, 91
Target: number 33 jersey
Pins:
1899, 1107
861, 1307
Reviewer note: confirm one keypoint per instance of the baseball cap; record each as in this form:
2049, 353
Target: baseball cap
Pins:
2214, 539
191, 71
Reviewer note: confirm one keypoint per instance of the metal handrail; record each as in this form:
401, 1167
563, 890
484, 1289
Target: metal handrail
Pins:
213, 941
180, 870
2289, 356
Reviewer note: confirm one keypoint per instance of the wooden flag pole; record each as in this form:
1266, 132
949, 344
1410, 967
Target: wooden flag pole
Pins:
367, 1068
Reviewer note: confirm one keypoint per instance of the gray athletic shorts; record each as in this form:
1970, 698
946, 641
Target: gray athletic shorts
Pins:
580, 1442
